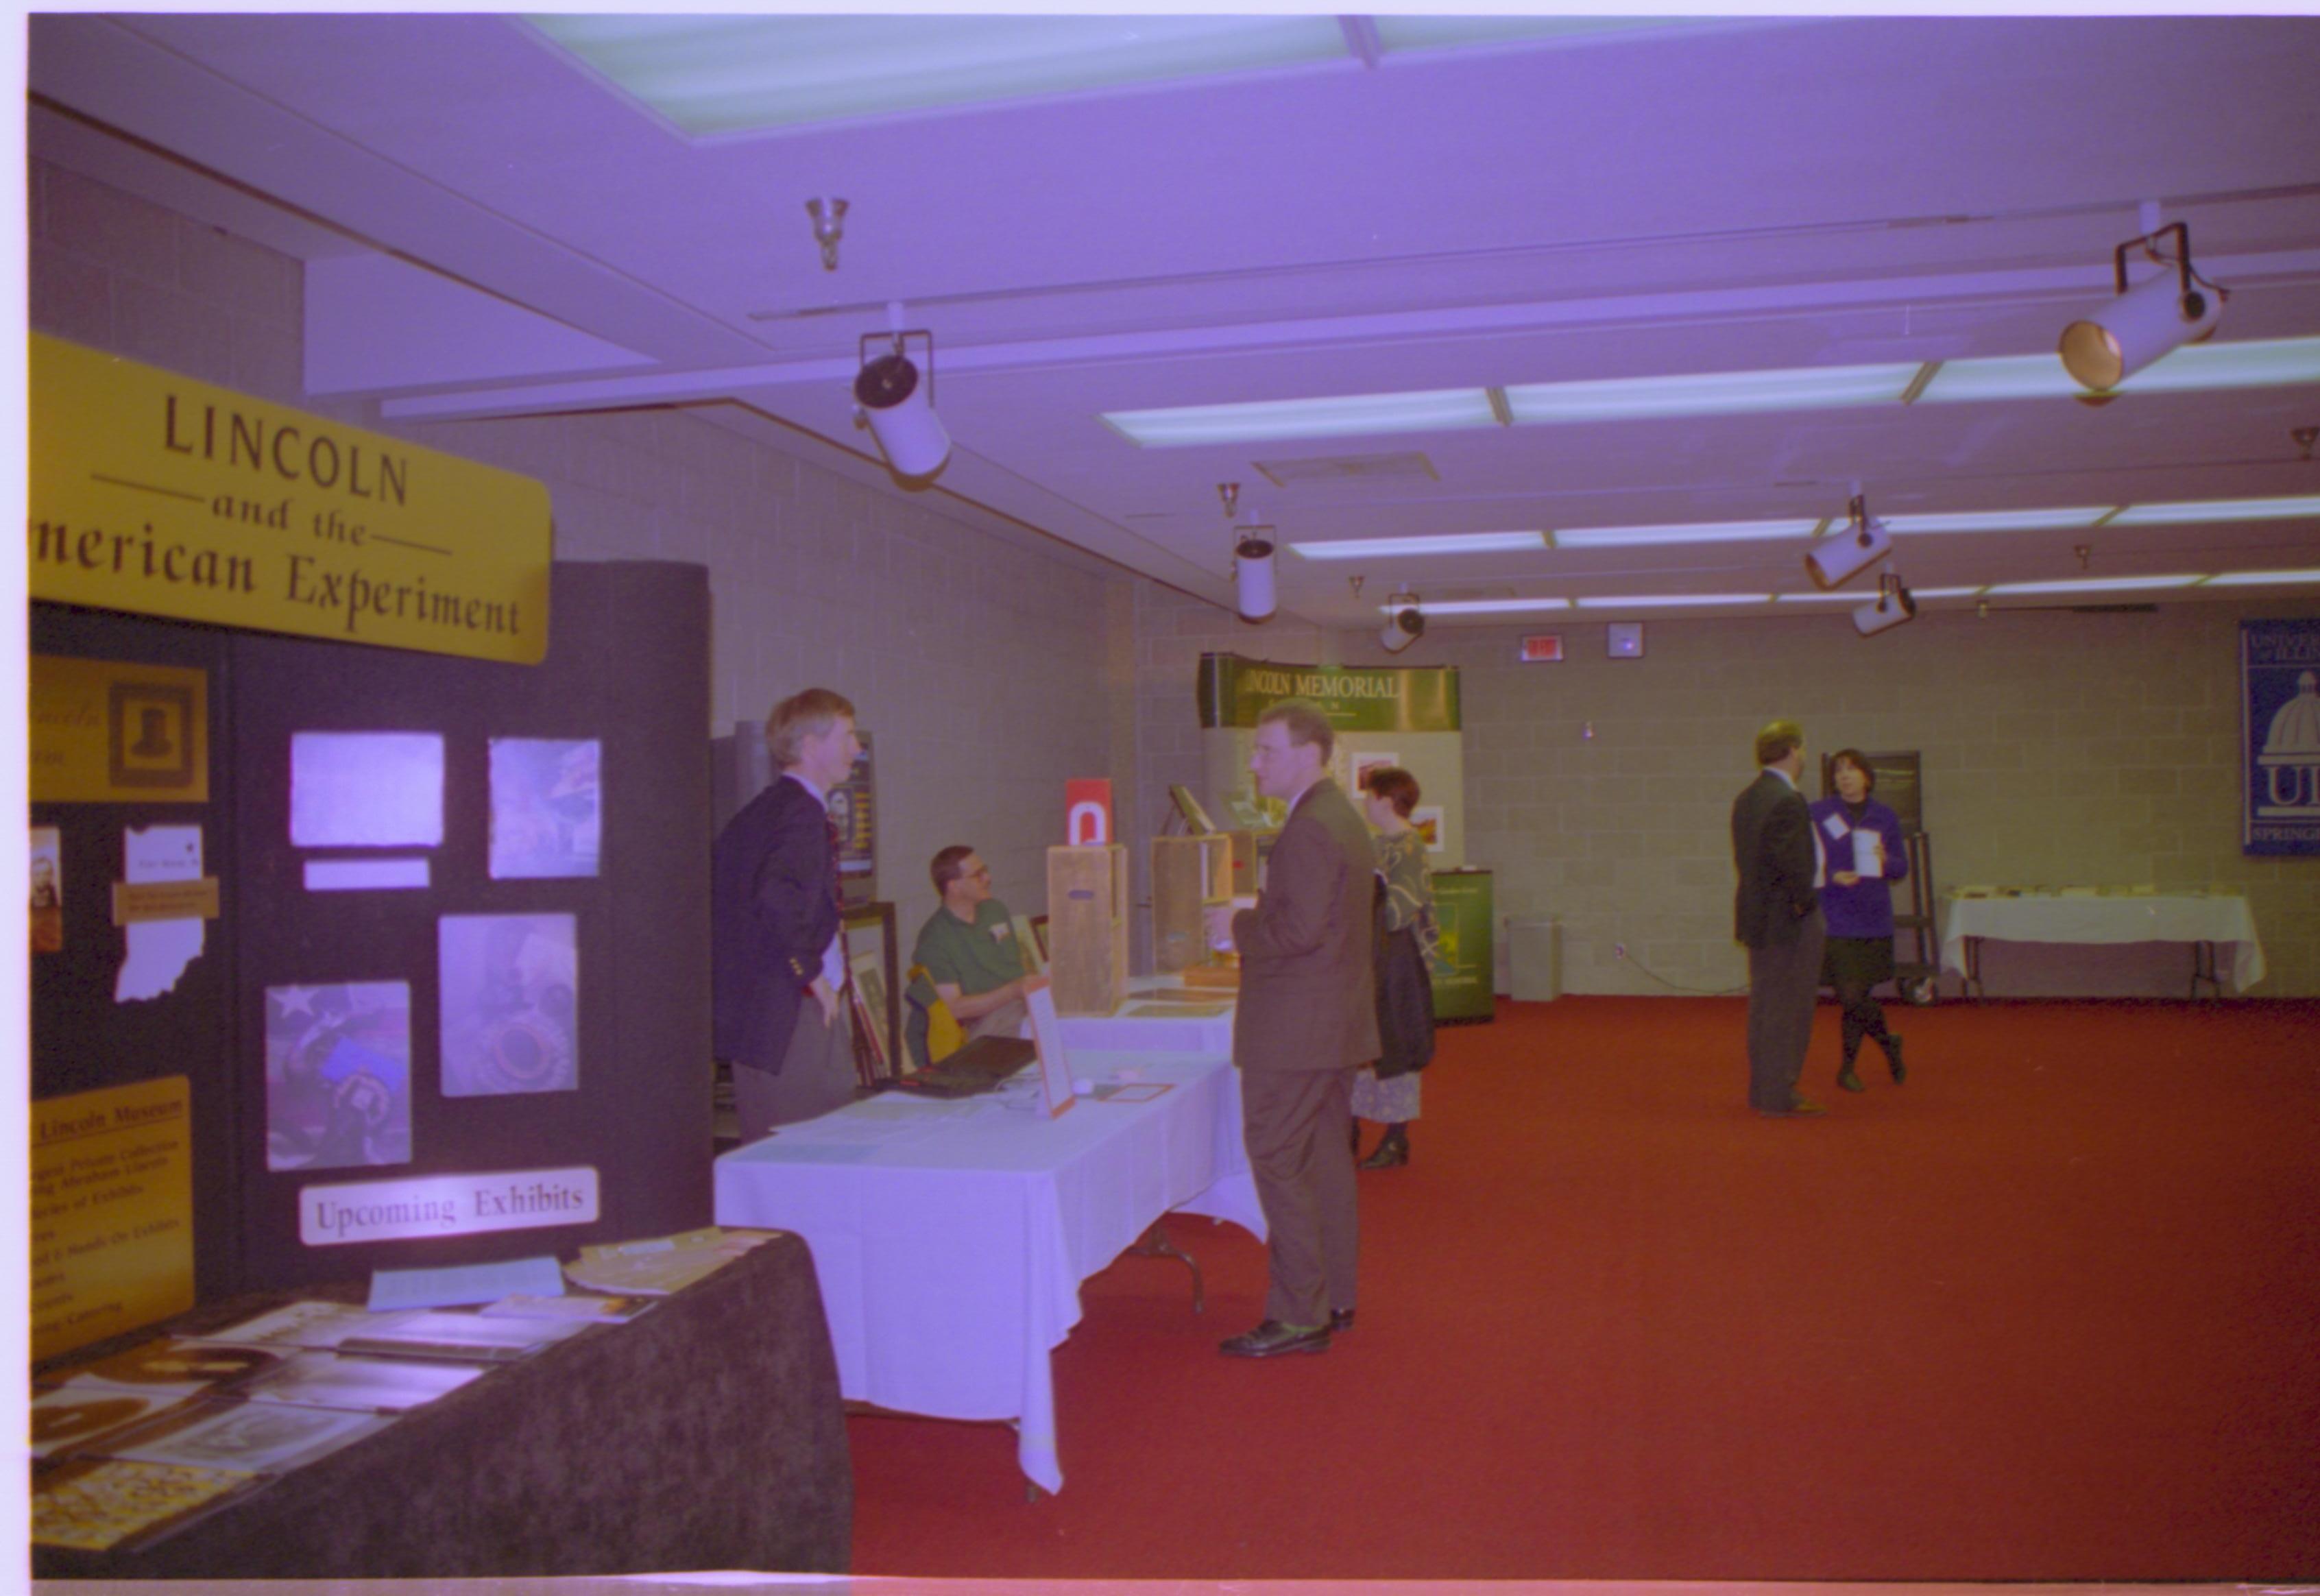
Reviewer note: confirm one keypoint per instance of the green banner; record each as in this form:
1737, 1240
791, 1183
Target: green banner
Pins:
1462, 909
1235, 690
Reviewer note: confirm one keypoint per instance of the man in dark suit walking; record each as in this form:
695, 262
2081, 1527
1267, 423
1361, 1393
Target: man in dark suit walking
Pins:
1306, 1021
1777, 915
777, 955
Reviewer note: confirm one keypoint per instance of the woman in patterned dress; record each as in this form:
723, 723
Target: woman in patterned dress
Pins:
1386, 1092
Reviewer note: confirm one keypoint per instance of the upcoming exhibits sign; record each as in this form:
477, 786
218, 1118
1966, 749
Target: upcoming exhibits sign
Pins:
156, 494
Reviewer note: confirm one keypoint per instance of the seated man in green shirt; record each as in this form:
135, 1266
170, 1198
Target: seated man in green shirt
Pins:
969, 948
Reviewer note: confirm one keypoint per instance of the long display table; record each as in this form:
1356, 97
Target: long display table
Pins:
951, 1237
2209, 923
707, 1434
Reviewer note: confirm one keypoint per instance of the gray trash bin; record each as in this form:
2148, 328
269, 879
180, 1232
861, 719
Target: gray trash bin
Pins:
1535, 959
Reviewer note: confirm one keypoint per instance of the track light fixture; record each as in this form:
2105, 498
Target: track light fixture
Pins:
900, 409
1253, 573
1404, 624
2157, 316
1893, 606
1835, 561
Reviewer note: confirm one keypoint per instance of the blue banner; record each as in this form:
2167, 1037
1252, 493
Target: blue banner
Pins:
2280, 687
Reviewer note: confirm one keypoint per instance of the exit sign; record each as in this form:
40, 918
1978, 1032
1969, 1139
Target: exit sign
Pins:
1546, 646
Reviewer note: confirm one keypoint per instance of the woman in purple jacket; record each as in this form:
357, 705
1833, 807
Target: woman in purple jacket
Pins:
1862, 839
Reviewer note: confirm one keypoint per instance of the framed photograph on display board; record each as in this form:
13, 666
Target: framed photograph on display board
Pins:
510, 1003
547, 807
1048, 1034
338, 1075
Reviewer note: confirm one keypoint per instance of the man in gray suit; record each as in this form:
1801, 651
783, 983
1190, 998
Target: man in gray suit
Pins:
1305, 1021
1777, 915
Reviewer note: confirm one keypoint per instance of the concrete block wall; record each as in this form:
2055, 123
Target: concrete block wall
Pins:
987, 673
2058, 748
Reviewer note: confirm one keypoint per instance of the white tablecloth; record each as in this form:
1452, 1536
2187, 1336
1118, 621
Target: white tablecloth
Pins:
1141, 1025
2223, 920
950, 1237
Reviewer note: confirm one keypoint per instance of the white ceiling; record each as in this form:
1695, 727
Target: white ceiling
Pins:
492, 229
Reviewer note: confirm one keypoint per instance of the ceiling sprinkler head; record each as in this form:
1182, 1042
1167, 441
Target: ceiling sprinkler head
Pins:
828, 226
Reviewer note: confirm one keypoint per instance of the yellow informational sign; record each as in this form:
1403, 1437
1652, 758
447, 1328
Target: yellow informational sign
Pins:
112, 1211
154, 492
140, 902
104, 732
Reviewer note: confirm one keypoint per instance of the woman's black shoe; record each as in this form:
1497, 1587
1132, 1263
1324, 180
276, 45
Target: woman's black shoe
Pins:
1392, 1151
1893, 1058
1849, 1081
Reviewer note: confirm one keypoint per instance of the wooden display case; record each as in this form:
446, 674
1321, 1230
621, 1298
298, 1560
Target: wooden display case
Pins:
1087, 927
1188, 875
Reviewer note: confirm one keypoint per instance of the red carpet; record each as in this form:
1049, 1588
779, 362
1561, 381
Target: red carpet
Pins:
2050, 1311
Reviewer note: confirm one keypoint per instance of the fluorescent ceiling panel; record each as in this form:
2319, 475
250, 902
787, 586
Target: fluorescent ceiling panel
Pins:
1943, 592
2253, 364
725, 74
1818, 598
2258, 578
1697, 531
1722, 392
2090, 585
2191, 513
1997, 520
1673, 600
1485, 606
1445, 543
1352, 415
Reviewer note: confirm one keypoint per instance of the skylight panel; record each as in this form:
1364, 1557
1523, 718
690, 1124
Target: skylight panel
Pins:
1440, 543
2258, 578
2090, 585
1350, 415
1672, 601
1722, 393
1697, 531
724, 73
1513, 606
1996, 520
2253, 364
2195, 511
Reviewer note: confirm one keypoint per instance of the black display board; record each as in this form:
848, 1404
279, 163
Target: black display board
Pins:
82, 1040
626, 666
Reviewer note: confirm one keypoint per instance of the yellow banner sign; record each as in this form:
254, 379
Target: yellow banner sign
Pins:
106, 731
156, 494
112, 1211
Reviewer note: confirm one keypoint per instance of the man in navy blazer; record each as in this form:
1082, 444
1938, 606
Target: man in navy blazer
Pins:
777, 955
1777, 916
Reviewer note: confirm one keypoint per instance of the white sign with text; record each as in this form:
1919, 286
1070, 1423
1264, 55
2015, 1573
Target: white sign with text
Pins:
446, 1205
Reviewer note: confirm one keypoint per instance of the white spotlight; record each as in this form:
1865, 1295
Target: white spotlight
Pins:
1404, 625
900, 408
1893, 606
1253, 574
1835, 561
2155, 317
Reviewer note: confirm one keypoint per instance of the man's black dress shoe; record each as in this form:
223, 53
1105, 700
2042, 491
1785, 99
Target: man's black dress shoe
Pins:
1893, 1058
1803, 1107
1341, 1320
1272, 1339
